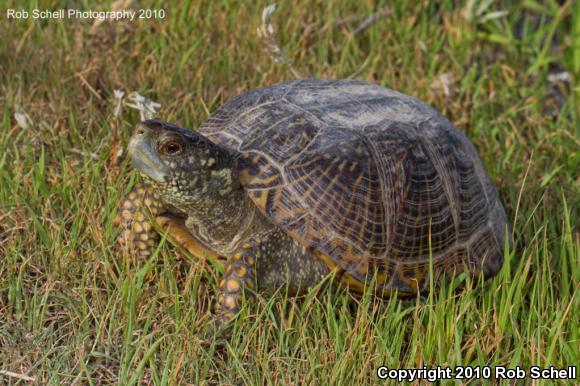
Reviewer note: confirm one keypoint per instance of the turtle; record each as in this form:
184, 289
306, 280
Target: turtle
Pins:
288, 184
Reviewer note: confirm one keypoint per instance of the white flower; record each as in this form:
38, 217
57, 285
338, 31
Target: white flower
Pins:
147, 108
23, 120
118, 102
563, 76
267, 12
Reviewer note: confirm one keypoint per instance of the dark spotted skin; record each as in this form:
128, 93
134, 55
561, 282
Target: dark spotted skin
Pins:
278, 260
285, 263
216, 217
309, 176
140, 213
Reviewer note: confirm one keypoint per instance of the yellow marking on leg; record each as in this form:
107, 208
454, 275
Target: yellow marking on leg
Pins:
230, 302
162, 221
232, 285
238, 278
126, 215
137, 227
240, 271
137, 232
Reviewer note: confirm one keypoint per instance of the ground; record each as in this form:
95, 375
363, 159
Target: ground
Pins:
75, 311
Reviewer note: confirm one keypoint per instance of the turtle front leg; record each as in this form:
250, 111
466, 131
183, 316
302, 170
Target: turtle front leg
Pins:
238, 281
179, 234
138, 234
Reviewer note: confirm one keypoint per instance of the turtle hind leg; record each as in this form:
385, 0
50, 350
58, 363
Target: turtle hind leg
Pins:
238, 281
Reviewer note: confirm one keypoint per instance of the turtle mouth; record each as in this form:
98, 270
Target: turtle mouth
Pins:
145, 159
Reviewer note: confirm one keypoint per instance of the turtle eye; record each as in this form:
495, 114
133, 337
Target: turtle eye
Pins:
171, 148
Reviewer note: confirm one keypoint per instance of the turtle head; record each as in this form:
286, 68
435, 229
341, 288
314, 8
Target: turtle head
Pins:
183, 167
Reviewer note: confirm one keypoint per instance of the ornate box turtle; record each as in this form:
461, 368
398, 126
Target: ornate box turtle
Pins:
286, 183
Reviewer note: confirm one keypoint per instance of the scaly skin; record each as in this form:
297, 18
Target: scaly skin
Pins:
239, 280
138, 234
198, 190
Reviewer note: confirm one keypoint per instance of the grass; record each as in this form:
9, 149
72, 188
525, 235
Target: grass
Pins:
72, 311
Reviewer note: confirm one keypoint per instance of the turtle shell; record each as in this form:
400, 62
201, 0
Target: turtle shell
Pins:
375, 182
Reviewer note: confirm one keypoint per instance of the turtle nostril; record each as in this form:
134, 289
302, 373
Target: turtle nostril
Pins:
140, 130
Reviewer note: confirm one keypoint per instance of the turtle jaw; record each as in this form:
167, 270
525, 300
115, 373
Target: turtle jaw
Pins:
145, 158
